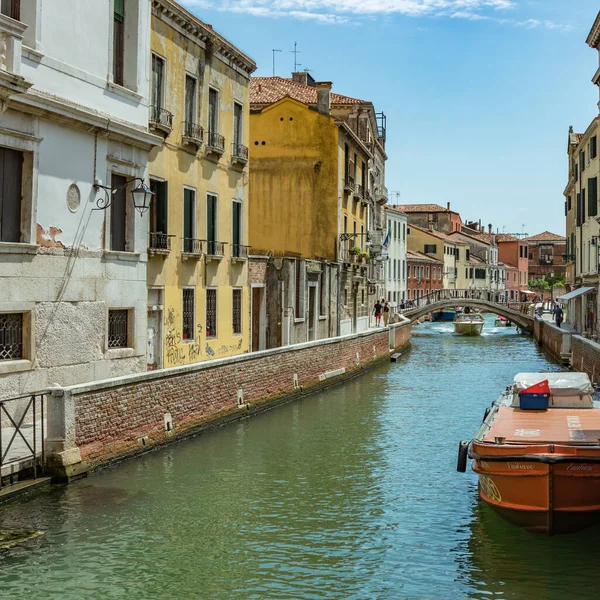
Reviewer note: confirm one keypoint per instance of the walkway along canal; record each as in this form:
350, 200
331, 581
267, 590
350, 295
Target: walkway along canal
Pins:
351, 493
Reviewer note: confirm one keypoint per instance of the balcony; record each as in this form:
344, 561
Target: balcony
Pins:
239, 154
193, 134
596, 77
214, 250
546, 260
359, 191
349, 184
191, 248
215, 144
239, 253
11, 39
381, 194
160, 119
159, 243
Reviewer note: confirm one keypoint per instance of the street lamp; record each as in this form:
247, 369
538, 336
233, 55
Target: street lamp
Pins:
141, 195
552, 288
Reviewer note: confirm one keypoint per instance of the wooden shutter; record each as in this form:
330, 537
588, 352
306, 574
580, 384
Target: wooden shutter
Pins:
592, 196
237, 222
118, 214
578, 209
188, 214
190, 93
11, 170
120, 9
162, 204
582, 207
119, 42
11, 8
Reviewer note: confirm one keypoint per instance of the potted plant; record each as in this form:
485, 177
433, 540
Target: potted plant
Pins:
355, 253
364, 257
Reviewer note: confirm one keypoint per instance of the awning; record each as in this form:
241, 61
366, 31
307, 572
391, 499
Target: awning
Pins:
578, 292
527, 292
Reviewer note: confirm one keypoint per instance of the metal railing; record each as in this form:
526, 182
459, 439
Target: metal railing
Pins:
159, 241
239, 151
358, 191
381, 193
214, 248
192, 246
193, 131
239, 251
22, 432
215, 141
161, 116
349, 183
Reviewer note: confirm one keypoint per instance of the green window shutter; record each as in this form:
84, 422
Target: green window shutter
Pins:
120, 10
592, 196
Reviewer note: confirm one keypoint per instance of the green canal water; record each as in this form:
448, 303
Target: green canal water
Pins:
351, 493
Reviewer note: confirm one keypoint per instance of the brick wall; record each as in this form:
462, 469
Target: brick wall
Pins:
113, 417
553, 339
586, 357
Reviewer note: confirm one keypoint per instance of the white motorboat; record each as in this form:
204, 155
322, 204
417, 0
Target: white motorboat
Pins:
468, 324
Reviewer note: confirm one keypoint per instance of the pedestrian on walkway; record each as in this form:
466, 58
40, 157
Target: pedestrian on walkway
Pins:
558, 314
377, 313
386, 313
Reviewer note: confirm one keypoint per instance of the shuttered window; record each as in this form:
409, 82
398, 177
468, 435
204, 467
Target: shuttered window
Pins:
11, 8
211, 223
11, 172
592, 196
213, 111
189, 220
581, 161
578, 207
190, 100
119, 42
430, 249
593, 148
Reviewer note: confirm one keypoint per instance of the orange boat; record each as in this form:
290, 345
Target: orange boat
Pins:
537, 453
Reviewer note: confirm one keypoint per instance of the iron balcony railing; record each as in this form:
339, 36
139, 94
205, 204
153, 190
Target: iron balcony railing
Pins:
161, 116
381, 193
159, 241
239, 152
349, 183
215, 141
192, 246
239, 251
359, 191
193, 132
214, 248
22, 433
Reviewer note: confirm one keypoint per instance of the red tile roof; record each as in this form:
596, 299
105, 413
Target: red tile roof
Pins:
505, 237
546, 236
438, 234
268, 90
394, 208
412, 255
484, 238
419, 208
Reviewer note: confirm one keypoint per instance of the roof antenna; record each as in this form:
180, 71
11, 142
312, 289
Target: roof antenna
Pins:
274, 50
295, 52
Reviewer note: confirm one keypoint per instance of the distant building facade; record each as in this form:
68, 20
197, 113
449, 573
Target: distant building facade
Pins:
425, 274
395, 266
547, 254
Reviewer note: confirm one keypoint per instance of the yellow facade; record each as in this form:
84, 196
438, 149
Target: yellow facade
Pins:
294, 181
202, 263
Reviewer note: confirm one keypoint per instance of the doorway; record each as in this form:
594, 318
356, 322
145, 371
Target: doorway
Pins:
312, 312
258, 319
154, 346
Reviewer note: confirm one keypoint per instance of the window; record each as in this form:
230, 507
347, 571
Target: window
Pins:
211, 224
576, 173
11, 173
118, 214
211, 313
189, 221
118, 321
546, 254
403, 232
468, 254
236, 234
582, 161
237, 124
578, 207
11, 336
188, 313
427, 272
525, 251
190, 106
118, 42
592, 196
300, 279
568, 202
345, 223
213, 111
157, 87
430, 248
592, 148
323, 292
158, 215
11, 8
236, 315
582, 207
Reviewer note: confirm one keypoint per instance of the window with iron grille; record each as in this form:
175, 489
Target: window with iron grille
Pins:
11, 336
211, 313
118, 328
299, 288
188, 312
237, 311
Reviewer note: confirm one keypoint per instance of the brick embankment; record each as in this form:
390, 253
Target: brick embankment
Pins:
555, 340
121, 417
586, 357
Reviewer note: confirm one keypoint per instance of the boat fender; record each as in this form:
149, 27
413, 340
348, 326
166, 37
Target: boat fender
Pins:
485, 414
463, 450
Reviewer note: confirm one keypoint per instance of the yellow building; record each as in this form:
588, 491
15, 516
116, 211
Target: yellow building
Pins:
198, 300
314, 206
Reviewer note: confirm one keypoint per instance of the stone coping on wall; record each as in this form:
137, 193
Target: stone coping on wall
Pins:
594, 345
217, 362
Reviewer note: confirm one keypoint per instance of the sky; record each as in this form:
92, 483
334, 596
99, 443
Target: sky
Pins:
478, 94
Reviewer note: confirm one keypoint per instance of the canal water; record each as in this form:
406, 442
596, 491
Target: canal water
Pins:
348, 494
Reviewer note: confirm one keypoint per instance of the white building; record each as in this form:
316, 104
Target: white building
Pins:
74, 101
395, 271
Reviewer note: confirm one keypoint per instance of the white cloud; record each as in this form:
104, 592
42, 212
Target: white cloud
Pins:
345, 11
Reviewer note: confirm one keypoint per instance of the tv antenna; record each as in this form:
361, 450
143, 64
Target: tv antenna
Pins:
396, 197
274, 50
295, 52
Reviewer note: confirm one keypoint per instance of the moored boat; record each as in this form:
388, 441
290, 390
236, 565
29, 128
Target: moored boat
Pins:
502, 322
468, 324
446, 314
537, 453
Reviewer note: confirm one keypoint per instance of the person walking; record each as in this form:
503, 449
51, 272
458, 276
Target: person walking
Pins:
386, 313
377, 313
558, 314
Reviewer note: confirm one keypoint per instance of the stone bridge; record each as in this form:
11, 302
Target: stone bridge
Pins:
520, 313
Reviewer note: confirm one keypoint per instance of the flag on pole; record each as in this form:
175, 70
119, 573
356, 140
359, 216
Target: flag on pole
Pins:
386, 242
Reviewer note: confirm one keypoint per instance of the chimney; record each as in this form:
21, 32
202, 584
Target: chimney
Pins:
430, 225
448, 205
323, 96
490, 228
303, 77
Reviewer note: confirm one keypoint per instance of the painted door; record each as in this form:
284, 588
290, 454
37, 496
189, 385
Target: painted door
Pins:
311, 312
256, 298
154, 347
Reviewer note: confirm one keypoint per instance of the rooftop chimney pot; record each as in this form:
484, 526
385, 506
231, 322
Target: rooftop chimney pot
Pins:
324, 96
448, 205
